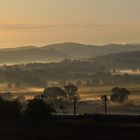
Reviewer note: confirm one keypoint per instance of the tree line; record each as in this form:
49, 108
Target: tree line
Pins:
41, 107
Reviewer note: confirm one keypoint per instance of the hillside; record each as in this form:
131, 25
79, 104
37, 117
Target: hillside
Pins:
29, 55
58, 52
120, 60
79, 51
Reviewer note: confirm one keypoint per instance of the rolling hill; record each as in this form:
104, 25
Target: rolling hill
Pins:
58, 52
124, 60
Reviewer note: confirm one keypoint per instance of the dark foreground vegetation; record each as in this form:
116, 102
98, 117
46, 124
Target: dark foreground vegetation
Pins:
37, 120
68, 130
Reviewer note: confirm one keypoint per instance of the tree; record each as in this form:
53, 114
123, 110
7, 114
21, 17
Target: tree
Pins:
10, 110
104, 98
119, 95
54, 94
75, 107
72, 91
38, 110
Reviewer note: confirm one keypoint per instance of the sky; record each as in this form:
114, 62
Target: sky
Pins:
42, 22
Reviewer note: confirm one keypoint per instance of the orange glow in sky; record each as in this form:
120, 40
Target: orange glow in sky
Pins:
41, 22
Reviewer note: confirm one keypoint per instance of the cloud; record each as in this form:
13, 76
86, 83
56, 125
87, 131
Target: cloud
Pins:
68, 26
125, 27
85, 25
35, 27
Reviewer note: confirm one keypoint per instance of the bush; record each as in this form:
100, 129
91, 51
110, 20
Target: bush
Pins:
9, 110
37, 110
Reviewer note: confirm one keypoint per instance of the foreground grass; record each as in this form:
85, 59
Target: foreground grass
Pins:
68, 130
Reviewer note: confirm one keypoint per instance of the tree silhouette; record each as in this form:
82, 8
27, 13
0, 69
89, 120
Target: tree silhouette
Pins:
37, 110
54, 94
119, 95
104, 98
71, 91
74, 105
9, 110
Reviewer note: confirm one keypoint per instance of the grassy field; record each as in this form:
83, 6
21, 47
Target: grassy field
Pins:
69, 130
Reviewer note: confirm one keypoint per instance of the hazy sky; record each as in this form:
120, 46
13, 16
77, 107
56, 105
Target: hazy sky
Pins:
41, 22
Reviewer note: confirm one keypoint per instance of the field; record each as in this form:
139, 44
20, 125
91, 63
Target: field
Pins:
90, 101
93, 97
95, 92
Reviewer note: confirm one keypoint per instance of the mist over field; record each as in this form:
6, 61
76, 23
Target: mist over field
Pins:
95, 70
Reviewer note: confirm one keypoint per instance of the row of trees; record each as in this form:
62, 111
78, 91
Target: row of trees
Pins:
37, 74
67, 95
70, 93
40, 109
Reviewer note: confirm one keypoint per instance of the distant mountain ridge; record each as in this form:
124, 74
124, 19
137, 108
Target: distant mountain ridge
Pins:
58, 52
